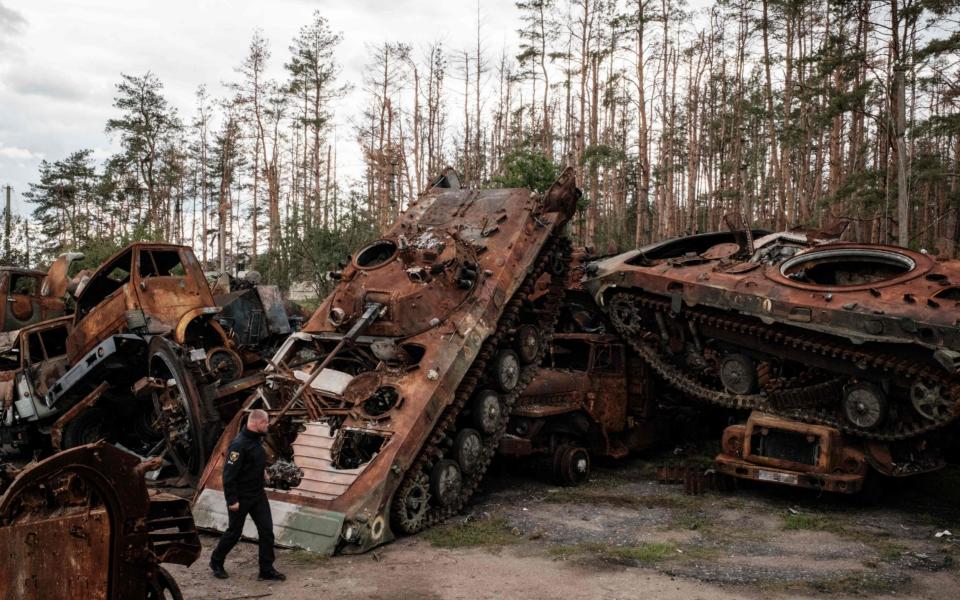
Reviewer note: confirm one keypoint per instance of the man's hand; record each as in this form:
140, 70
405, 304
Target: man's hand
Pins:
234, 507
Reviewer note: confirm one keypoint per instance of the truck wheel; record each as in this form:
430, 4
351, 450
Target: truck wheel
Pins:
177, 408
571, 465
163, 587
86, 428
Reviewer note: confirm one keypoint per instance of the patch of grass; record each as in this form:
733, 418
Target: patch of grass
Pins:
486, 532
305, 556
854, 584
812, 522
861, 584
644, 553
889, 551
582, 495
647, 552
691, 521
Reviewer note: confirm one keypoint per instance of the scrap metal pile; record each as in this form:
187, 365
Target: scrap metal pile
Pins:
469, 329
142, 363
394, 397
852, 348
81, 524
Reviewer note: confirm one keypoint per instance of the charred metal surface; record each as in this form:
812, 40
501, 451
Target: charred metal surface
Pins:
255, 317
29, 297
861, 338
144, 316
82, 524
771, 449
589, 397
396, 393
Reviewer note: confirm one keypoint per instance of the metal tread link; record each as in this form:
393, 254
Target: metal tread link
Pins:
675, 376
432, 450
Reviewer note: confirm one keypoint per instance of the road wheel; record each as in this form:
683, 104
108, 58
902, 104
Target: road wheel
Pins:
487, 411
506, 370
446, 481
468, 450
528, 344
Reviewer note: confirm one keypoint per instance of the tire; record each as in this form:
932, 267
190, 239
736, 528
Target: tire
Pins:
164, 364
571, 465
163, 587
86, 428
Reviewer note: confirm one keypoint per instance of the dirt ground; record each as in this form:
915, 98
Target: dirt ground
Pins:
623, 535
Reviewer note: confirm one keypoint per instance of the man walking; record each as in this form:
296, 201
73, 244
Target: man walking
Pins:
244, 476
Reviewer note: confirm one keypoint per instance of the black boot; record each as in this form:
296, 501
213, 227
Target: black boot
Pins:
218, 571
271, 575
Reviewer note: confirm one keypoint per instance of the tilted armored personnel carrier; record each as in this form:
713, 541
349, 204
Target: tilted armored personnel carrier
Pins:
861, 338
394, 396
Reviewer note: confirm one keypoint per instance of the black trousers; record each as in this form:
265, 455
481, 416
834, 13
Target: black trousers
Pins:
259, 510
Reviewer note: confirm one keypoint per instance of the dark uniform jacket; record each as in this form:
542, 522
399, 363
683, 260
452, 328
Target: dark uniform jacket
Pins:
243, 471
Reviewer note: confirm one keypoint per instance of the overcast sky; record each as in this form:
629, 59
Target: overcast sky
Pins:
61, 59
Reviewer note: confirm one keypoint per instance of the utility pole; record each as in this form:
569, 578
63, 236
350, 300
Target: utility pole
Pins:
6, 227
26, 224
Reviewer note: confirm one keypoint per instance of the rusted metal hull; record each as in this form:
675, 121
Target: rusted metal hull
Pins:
362, 412
82, 524
859, 337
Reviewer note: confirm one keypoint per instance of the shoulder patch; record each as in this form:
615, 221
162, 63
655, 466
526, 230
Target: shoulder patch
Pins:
234, 455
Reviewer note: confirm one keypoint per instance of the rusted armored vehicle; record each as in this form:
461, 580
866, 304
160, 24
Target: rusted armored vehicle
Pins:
395, 395
861, 338
142, 363
82, 524
776, 450
590, 398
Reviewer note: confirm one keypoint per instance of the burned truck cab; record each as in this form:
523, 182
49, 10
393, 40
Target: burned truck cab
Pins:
157, 288
30, 367
772, 449
590, 399
146, 361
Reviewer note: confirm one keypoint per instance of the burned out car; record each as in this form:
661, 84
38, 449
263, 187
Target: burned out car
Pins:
31, 296
395, 395
771, 449
858, 337
590, 398
82, 524
143, 363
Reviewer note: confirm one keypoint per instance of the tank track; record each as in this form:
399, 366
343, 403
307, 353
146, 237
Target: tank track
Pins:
793, 399
419, 472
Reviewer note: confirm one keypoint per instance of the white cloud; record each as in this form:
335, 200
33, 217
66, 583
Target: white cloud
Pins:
19, 154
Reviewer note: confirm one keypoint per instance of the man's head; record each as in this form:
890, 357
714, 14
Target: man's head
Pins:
258, 421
